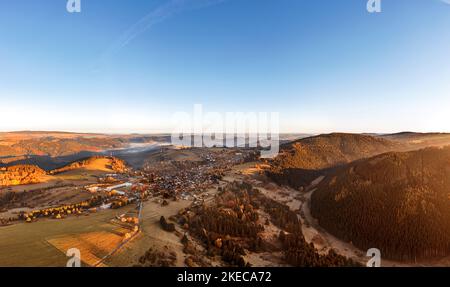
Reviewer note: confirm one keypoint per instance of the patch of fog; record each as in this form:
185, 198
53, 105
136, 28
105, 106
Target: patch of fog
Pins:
137, 147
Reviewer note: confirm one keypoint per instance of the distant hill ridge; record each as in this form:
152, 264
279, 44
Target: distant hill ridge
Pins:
415, 141
50, 146
58, 144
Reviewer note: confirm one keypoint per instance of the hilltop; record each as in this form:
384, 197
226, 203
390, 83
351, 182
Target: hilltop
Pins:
31, 174
100, 163
301, 161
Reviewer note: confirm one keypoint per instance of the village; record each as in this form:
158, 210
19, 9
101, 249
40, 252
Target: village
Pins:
114, 208
165, 181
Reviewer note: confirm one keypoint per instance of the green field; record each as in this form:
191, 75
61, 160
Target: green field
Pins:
26, 244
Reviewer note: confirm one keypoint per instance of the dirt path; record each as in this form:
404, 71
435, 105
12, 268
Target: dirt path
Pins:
324, 241
152, 235
300, 202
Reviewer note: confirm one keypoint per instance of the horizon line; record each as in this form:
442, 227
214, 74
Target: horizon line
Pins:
168, 132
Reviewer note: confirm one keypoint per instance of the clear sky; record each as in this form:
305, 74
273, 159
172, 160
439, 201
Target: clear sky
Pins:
127, 66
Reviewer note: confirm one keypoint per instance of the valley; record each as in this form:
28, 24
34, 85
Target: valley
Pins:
322, 202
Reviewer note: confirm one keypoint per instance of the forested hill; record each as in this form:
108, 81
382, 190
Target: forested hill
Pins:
21, 174
104, 163
396, 202
300, 162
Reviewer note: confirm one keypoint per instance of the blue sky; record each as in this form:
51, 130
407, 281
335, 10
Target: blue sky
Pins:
127, 66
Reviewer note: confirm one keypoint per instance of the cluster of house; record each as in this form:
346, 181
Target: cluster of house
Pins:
115, 189
130, 222
105, 197
116, 195
188, 180
185, 180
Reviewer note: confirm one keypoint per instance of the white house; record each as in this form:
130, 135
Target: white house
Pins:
126, 184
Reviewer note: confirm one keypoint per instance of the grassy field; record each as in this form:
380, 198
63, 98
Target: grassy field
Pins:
152, 235
31, 244
45, 242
